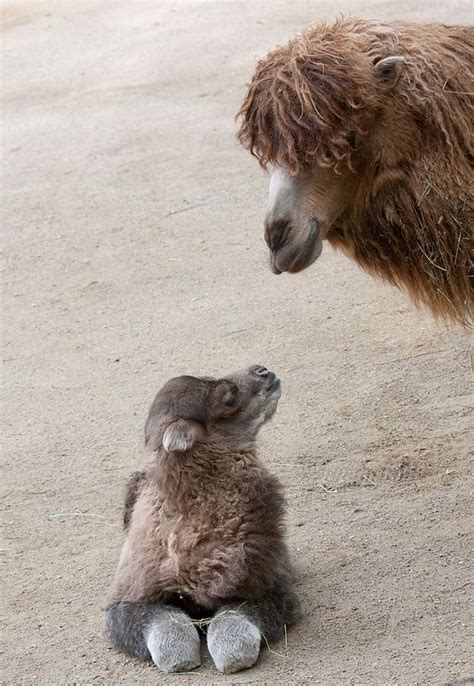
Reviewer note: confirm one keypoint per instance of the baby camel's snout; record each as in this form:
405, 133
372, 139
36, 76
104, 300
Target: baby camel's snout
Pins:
271, 378
257, 377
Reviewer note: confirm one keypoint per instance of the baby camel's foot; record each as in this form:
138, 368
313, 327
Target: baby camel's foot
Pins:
173, 642
233, 642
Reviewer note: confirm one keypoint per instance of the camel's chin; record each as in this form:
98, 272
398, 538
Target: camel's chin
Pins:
296, 260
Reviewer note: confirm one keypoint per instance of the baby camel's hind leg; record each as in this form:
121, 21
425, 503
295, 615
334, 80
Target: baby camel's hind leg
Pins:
235, 634
162, 633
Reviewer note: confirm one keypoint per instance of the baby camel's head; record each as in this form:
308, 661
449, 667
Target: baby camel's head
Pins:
189, 409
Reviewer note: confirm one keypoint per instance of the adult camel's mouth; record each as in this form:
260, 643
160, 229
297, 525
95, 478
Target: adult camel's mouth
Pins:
294, 255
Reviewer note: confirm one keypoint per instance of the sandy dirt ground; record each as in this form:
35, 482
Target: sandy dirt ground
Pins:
134, 252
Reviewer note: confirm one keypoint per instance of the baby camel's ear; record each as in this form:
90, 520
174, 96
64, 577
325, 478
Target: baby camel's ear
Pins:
181, 435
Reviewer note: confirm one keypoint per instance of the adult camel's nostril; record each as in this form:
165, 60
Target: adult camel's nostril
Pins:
276, 232
262, 371
314, 229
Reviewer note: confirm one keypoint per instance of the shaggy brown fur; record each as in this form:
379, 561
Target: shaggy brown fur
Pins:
408, 150
206, 525
204, 520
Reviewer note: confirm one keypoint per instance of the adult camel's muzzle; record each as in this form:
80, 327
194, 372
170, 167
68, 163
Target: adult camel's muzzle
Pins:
290, 252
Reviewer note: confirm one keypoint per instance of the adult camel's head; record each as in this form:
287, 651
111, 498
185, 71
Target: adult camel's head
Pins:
310, 116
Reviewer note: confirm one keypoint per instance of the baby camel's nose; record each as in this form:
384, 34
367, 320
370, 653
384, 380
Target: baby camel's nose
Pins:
261, 371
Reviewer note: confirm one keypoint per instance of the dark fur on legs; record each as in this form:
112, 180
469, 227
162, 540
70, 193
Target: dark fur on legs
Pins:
127, 623
162, 633
279, 607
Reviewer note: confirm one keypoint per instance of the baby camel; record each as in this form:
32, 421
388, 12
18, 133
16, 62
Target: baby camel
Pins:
205, 531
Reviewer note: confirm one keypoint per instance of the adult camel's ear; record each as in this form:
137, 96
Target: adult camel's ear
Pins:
389, 69
181, 435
